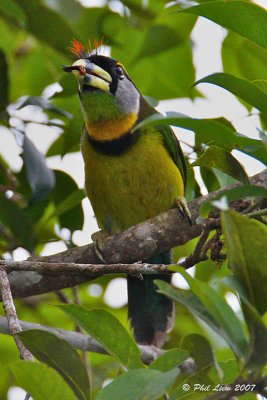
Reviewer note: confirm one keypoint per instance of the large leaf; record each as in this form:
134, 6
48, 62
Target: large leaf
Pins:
211, 131
223, 160
257, 350
40, 177
242, 88
257, 354
47, 25
213, 309
69, 140
67, 197
45, 104
190, 301
91, 24
37, 70
210, 179
202, 353
12, 11
166, 33
200, 349
246, 19
246, 249
108, 331
139, 385
173, 80
243, 58
60, 355
169, 79
16, 220
41, 381
70, 9
170, 359
158, 38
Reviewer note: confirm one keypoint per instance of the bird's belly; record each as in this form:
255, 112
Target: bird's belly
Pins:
136, 185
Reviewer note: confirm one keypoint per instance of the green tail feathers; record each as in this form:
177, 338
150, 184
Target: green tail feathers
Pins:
150, 313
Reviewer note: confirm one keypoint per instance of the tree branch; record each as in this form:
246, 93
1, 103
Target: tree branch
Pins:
139, 242
79, 340
83, 270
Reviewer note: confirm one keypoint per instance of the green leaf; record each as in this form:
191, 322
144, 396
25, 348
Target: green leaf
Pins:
10, 214
91, 24
244, 58
190, 301
4, 83
4, 381
41, 381
139, 384
47, 25
67, 197
257, 350
246, 19
158, 38
210, 131
60, 355
238, 192
223, 160
247, 91
199, 349
212, 308
246, 249
12, 11
40, 177
38, 66
170, 359
45, 105
210, 179
202, 353
257, 353
108, 331
70, 9
174, 79
69, 141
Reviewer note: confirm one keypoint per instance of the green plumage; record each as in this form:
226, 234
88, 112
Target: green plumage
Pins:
129, 177
128, 188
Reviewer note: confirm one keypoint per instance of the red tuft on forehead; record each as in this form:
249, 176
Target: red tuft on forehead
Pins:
79, 50
76, 47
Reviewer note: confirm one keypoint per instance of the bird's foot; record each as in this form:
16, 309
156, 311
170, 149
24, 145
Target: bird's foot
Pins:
98, 239
181, 204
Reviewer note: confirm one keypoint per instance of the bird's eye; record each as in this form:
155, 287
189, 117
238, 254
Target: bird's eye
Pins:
119, 71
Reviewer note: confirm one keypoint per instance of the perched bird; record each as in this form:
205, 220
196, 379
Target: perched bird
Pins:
129, 176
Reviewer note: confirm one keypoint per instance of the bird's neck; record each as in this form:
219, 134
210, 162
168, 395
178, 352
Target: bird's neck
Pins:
104, 120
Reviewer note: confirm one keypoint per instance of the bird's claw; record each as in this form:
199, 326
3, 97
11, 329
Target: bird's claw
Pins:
181, 204
98, 239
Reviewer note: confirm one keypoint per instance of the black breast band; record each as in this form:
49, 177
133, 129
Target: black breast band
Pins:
117, 146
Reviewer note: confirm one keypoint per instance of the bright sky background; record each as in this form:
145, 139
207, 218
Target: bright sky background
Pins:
207, 38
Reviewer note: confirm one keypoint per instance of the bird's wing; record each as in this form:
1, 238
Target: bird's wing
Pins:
173, 147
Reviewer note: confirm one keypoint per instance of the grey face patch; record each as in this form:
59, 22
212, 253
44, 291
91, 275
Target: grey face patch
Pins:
128, 97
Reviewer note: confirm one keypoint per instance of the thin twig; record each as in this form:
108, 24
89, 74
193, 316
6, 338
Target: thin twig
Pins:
257, 213
10, 311
62, 297
200, 251
12, 319
197, 255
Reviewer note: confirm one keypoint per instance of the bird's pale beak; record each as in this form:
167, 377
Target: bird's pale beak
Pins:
89, 74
